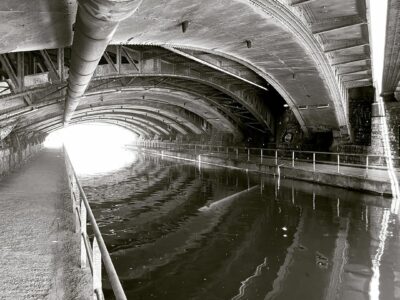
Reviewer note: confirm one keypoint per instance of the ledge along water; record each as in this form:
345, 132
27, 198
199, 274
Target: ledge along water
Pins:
171, 237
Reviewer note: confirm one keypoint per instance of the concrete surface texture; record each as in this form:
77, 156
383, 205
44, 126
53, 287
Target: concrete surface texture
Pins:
40, 254
309, 52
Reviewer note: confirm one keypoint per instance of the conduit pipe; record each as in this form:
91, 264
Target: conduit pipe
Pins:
96, 23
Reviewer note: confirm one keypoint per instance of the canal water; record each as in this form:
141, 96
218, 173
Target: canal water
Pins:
180, 231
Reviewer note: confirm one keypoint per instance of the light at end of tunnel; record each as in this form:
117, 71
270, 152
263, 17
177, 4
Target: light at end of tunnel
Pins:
285, 105
94, 148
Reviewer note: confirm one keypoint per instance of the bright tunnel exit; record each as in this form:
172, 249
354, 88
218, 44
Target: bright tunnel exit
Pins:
95, 148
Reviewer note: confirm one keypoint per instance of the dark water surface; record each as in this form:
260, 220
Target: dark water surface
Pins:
170, 238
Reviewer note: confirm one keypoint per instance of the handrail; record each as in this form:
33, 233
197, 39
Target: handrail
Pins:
296, 157
99, 249
267, 149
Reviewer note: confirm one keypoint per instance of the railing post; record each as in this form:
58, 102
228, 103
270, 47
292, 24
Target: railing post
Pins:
83, 215
313, 159
367, 163
97, 286
338, 163
248, 154
76, 203
261, 156
276, 157
292, 159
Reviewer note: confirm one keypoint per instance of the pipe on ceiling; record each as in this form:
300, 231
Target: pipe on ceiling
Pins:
96, 23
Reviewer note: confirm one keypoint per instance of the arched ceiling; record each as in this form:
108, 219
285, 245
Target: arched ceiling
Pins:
230, 70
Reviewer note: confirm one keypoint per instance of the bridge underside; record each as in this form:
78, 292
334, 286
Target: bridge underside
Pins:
188, 70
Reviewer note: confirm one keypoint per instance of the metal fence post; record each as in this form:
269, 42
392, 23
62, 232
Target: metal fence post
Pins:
261, 155
367, 163
83, 220
76, 201
313, 158
292, 159
338, 163
97, 286
276, 157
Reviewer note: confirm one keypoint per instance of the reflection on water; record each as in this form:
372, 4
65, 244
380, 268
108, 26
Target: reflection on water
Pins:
92, 162
171, 236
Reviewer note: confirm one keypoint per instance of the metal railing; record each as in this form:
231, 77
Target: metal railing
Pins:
311, 160
91, 254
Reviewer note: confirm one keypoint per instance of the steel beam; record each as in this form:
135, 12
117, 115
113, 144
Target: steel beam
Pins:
210, 65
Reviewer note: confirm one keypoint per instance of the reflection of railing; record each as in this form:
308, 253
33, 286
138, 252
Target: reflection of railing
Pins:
307, 159
97, 252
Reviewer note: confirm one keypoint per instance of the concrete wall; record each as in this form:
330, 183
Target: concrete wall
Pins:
12, 158
393, 120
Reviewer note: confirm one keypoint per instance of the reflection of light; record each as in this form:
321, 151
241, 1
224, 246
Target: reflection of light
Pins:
378, 36
95, 148
376, 262
246, 282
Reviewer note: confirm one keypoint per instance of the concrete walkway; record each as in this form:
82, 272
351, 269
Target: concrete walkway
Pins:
39, 251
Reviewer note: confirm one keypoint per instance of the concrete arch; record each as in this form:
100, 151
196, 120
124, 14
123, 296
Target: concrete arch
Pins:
159, 109
138, 127
155, 124
128, 111
248, 100
125, 126
189, 102
146, 121
157, 130
193, 102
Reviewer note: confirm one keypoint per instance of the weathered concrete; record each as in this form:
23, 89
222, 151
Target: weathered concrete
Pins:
11, 159
310, 52
40, 254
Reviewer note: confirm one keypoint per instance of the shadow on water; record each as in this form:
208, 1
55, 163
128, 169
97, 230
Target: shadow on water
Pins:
171, 236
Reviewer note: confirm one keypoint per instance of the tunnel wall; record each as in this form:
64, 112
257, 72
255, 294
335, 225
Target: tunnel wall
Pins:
393, 120
13, 157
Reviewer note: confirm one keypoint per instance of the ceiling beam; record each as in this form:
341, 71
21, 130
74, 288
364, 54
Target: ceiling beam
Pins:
346, 46
210, 65
351, 61
303, 2
334, 24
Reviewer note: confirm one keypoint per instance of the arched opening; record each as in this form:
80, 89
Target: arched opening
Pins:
95, 148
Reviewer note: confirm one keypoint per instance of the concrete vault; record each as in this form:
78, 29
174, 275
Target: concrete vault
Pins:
182, 69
